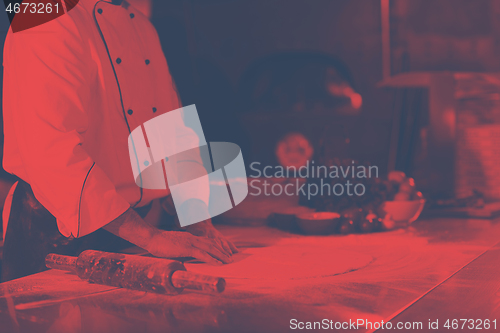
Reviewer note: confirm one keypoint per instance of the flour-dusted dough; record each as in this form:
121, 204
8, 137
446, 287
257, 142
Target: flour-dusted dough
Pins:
296, 258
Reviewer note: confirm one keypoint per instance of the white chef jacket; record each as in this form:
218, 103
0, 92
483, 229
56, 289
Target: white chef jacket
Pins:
74, 89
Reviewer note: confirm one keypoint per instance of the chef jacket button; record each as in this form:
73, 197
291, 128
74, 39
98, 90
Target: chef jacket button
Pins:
146, 163
118, 61
148, 62
166, 159
99, 11
154, 110
130, 111
132, 15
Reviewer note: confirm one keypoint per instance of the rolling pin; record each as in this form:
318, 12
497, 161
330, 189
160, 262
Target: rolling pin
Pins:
135, 272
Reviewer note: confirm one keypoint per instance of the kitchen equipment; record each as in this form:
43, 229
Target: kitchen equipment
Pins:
319, 223
403, 211
135, 272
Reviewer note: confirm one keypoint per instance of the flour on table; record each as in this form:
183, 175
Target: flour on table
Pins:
296, 258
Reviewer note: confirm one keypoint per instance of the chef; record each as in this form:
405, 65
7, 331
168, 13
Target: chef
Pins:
74, 89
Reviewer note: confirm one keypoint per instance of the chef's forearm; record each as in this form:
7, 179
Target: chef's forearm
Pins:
189, 169
187, 207
194, 205
131, 227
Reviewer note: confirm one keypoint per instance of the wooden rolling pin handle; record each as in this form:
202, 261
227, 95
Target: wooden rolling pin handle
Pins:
64, 263
188, 280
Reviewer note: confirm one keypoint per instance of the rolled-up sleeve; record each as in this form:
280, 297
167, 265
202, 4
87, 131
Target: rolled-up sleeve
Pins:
47, 76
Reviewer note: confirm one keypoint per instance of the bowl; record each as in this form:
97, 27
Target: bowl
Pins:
403, 211
318, 223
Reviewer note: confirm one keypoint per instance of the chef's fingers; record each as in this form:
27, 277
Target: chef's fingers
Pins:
216, 235
226, 247
212, 248
202, 255
215, 242
233, 247
219, 239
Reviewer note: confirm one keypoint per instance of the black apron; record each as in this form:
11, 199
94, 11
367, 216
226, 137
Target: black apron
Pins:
32, 233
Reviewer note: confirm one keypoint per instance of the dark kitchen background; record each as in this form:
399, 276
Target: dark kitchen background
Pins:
425, 70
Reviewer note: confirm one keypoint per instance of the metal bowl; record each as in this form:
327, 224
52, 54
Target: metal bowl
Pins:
403, 211
318, 223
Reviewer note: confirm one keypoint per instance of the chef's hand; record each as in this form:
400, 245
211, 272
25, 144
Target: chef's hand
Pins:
206, 229
202, 229
168, 244
171, 244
